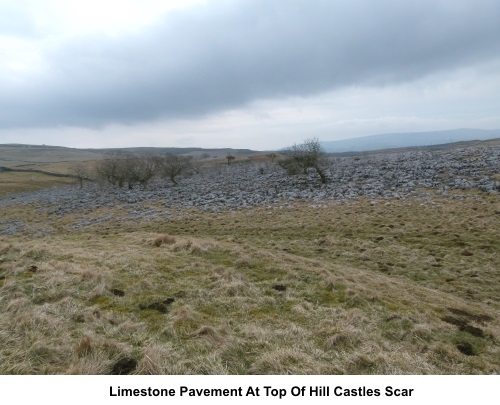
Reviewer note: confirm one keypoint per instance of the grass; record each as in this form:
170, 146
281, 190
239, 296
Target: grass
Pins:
391, 287
20, 182
33, 156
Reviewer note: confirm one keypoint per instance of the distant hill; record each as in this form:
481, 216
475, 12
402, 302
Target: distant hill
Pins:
179, 151
19, 156
408, 139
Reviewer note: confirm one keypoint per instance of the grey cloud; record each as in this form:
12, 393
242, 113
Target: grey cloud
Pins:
227, 54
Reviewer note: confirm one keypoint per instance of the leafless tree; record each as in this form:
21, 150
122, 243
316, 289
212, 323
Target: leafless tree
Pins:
141, 168
113, 169
122, 169
126, 168
173, 166
82, 173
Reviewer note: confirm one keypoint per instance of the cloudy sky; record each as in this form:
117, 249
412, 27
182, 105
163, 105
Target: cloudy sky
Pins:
258, 74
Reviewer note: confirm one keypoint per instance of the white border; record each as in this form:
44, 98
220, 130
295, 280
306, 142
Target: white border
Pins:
90, 390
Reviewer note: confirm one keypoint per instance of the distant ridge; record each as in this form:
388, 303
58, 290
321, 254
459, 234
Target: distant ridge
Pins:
141, 149
408, 139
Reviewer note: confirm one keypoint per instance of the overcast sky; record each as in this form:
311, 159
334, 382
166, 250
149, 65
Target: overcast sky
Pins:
258, 74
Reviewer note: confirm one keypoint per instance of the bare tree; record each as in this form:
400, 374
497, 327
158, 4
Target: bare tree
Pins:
229, 158
141, 168
82, 173
125, 168
309, 154
173, 166
112, 169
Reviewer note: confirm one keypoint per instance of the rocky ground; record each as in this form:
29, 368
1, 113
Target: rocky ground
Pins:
376, 176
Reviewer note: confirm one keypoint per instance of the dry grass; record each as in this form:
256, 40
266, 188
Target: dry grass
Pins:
163, 239
19, 182
35, 157
354, 288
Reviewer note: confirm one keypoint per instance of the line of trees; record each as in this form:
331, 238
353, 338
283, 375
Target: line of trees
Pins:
129, 170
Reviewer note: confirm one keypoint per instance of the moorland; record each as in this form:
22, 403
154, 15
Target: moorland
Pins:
391, 267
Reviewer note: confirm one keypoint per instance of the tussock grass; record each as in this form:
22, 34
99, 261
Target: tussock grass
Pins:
163, 239
356, 288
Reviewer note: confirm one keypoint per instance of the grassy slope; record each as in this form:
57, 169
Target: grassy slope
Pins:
48, 159
20, 182
402, 287
32, 157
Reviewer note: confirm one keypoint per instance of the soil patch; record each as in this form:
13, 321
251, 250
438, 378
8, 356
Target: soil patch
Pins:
124, 366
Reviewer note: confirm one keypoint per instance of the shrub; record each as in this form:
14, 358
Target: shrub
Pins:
310, 154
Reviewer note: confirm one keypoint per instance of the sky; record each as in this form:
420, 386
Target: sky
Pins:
258, 74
